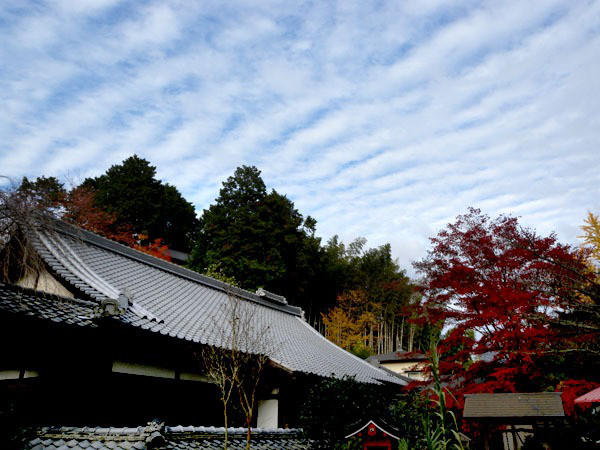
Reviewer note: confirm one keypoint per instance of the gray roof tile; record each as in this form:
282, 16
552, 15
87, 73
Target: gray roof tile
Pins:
536, 404
182, 303
176, 438
28, 303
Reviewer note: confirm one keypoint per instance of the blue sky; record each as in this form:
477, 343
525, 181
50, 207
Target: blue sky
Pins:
379, 119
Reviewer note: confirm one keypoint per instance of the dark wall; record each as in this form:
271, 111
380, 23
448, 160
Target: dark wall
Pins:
77, 387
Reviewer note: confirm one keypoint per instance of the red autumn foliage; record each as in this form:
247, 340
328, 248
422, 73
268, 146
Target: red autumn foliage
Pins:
511, 288
80, 209
156, 248
571, 389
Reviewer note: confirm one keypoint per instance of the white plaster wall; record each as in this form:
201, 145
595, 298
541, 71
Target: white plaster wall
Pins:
268, 411
15, 374
45, 283
404, 367
142, 369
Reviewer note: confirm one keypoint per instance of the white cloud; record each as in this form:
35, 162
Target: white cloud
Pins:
381, 120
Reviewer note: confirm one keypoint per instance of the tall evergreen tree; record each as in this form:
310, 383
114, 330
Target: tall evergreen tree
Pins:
131, 191
48, 192
257, 237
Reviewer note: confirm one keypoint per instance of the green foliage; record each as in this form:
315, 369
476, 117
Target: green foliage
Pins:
361, 350
334, 406
426, 422
381, 319
403, 444
216, 271
446, 434
407, 415
131, 191
442, 432
258, 237
47, 192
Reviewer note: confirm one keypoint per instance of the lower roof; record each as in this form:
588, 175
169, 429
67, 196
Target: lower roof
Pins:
158, 436
591, 397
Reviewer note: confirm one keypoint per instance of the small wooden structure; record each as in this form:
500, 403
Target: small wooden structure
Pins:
522, 414
373, 437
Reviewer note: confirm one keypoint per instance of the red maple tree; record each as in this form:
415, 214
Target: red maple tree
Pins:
80, 209
155, 248
505, 294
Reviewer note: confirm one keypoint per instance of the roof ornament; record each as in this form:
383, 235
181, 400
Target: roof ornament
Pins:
156, 438
110, 307
270, 296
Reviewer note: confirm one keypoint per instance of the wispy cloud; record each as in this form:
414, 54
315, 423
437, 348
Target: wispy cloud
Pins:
379, 119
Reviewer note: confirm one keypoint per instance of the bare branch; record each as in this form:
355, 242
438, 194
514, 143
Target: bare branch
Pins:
245, 345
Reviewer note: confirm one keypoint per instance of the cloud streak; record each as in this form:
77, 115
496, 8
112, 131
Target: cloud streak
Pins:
383, 120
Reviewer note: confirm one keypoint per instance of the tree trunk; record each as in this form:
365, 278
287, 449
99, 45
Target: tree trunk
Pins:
225, 421
248, 432
401, 334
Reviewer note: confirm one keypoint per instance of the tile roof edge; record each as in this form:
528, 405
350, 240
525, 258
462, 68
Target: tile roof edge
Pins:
45, 295
513, 393
175, 429
370, 366
169, 267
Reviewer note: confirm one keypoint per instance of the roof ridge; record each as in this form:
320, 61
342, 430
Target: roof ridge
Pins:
167, 266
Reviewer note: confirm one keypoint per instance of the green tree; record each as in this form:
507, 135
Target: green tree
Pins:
46, 192
131, 191
335, 407
385, 288
257, 237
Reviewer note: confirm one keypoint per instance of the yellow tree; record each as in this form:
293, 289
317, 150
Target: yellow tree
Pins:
591, 235
354, 323
591, 240
341, 328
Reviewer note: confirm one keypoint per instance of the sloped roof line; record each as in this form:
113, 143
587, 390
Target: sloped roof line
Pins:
62, 252
378, 426
385, 376
169, 267
306, 354
299, 350
591, 397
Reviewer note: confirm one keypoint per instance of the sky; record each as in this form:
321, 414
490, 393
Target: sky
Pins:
379, 119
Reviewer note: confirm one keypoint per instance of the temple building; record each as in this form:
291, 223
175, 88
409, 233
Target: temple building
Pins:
104, 335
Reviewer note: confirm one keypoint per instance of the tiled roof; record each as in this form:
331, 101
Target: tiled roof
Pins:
29, 303
174, 301
591, 397
157, 436
212, 438
537, 404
